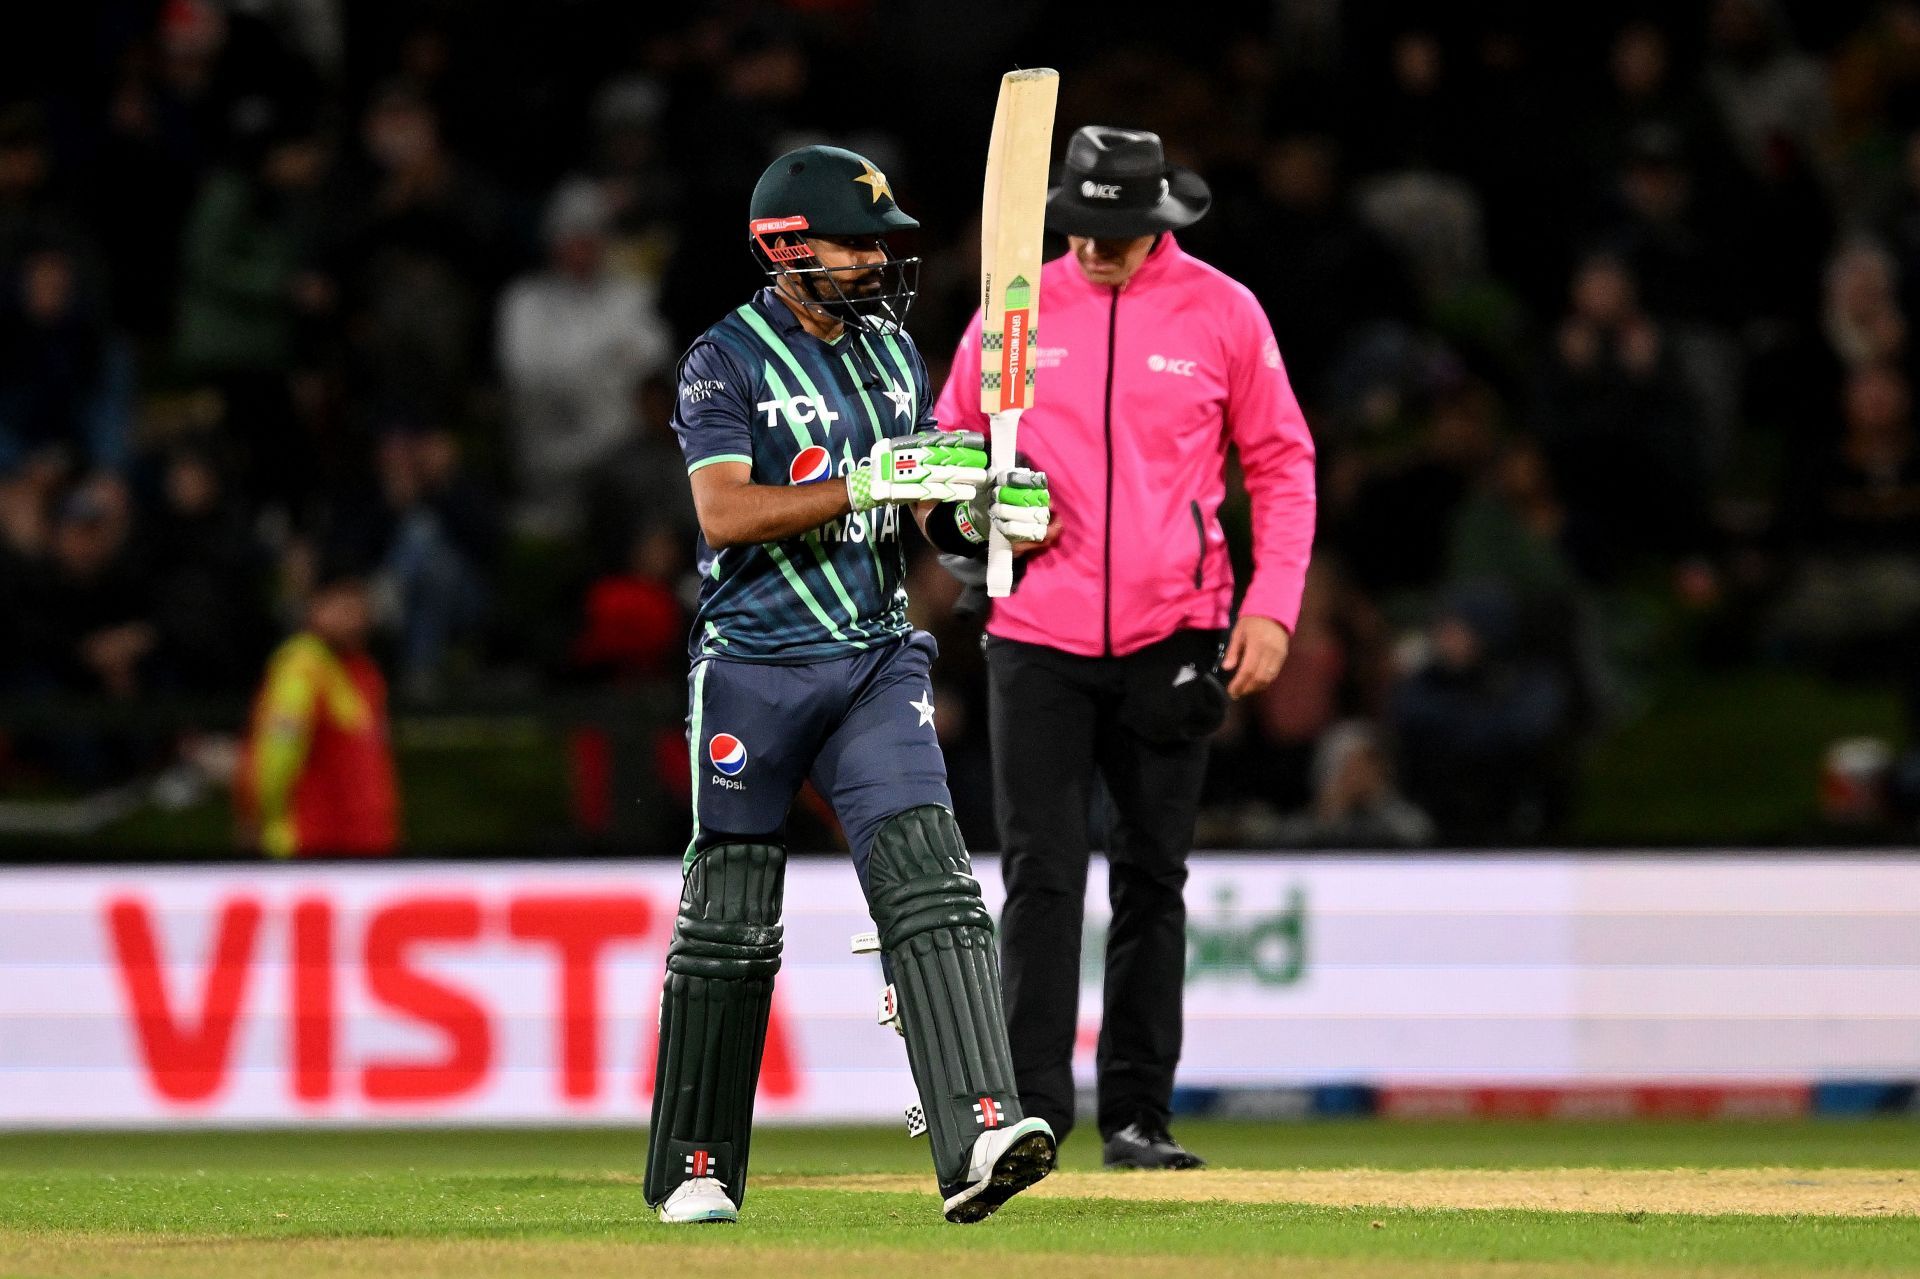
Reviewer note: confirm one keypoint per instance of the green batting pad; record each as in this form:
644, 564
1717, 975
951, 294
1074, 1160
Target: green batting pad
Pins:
713, 1017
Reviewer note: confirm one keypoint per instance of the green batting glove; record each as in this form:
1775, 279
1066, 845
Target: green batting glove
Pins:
930, 466
1015, 503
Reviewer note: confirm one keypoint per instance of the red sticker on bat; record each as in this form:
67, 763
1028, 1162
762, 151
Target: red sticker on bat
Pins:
1013, 360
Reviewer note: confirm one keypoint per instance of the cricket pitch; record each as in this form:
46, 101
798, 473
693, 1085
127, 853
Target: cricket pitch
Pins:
1822, 1192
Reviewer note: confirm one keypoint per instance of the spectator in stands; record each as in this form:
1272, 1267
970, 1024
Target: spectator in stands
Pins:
575, 341
644, 484
31, 216
1321, 272
1355, 801
1654, 228
1861, 322
440, 543
209, 571
248, 276
65, 382
1643, 96
1772, 104
1855, 594
82, 623
26, 530
1620, 429
317, 773
1509, 533
1861, 313
635, 627
1480, 727
94, 610
1875, 78
1393, 508
427, 246
643, 191
1415, 123
1769, 94
1260, 765
1308, 695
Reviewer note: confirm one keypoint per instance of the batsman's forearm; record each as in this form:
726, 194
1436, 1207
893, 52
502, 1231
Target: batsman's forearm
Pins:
746, 514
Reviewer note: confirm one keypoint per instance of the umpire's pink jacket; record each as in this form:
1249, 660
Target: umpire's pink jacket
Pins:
1140, 390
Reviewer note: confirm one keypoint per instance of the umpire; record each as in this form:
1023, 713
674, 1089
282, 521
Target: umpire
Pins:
1104, 659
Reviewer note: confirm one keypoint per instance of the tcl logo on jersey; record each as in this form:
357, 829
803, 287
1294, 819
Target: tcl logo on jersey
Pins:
728, 753
810, 464
1161, 364
800, 408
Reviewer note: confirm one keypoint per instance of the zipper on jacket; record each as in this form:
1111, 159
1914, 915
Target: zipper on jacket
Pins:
1200, 535
1106, 554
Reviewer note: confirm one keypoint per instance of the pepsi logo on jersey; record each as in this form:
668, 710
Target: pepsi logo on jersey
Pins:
728, 753
809, 464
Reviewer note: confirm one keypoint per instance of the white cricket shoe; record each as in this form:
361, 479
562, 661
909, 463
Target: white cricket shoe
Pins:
1003, 1163
699, 1199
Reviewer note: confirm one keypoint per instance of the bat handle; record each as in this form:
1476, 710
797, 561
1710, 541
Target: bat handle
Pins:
999, 550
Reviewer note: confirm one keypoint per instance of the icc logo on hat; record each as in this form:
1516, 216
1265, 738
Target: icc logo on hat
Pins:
810, 464
728, 753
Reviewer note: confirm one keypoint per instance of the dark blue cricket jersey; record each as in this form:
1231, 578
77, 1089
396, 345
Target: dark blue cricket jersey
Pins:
758, 388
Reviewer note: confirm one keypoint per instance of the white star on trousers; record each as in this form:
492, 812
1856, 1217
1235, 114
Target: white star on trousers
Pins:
901, 400
925, 707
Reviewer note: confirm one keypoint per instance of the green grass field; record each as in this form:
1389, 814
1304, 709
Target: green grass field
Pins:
1354, 1199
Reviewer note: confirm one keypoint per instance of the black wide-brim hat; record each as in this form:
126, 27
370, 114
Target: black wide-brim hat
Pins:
1116, 183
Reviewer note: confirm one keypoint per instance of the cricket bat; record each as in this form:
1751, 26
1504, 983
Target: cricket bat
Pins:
1013, 214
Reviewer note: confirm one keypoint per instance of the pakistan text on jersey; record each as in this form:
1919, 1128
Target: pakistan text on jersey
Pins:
857, 526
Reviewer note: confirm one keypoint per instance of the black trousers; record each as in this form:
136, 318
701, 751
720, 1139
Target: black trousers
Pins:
1055, 718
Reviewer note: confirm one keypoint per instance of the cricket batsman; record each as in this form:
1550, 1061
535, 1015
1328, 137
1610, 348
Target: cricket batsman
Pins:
806, 419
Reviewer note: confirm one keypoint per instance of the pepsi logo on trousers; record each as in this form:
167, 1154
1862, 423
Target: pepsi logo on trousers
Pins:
728, 753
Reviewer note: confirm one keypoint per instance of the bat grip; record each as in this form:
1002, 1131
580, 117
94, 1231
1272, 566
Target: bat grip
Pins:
999, 550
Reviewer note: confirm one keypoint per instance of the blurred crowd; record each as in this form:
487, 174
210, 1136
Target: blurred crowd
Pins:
1603, 322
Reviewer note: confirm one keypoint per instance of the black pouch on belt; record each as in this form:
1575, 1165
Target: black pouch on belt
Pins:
1173, 688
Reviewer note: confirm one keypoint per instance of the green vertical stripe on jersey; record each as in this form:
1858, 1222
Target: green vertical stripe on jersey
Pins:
765, 333
873, 415
799, 585
913, 412
900, 361
872, 518
812, 539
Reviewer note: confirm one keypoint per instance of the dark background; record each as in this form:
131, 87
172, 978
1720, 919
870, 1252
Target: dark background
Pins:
1600, 317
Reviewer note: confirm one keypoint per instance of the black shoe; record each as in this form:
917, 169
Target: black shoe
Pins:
1148, 1146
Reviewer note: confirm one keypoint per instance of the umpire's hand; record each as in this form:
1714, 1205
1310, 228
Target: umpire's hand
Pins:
1255, 653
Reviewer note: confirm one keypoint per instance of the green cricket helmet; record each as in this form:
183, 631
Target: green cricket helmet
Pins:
830, 193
